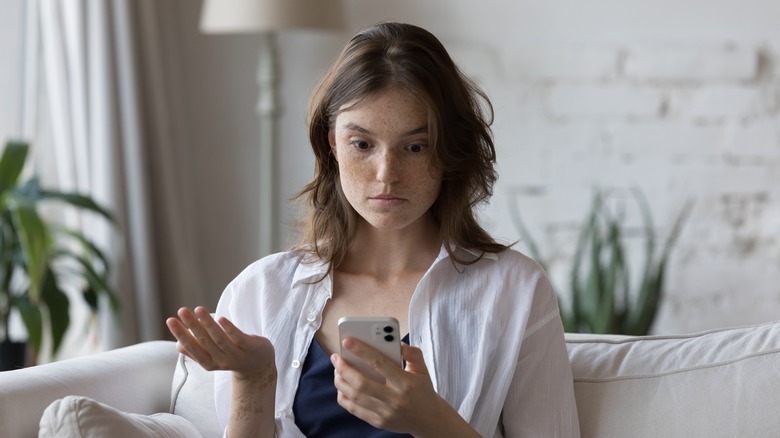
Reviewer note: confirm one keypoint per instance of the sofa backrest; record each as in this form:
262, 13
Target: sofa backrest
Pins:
721, 383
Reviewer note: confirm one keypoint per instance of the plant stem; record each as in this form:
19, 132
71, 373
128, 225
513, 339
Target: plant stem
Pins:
6, 289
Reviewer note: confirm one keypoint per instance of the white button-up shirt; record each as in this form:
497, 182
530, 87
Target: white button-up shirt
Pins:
490, 334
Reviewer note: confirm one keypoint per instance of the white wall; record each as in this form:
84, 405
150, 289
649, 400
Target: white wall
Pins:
678, 98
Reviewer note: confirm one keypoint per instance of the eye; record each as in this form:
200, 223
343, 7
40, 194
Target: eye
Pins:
360, 144
416, 147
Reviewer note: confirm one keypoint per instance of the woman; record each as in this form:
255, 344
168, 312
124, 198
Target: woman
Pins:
404, 154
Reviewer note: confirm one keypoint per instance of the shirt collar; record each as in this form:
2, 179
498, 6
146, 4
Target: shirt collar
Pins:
311, 271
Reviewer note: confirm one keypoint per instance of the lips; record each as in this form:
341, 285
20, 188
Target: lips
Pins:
386, 201
386, 197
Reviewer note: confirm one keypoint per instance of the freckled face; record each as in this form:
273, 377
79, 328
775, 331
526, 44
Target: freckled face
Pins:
385, 161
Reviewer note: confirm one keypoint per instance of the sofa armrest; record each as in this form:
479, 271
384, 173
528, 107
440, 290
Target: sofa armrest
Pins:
132, 379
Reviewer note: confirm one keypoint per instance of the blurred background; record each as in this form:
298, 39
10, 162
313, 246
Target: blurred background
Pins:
680, 99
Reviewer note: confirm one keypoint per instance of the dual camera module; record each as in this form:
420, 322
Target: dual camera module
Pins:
388, 329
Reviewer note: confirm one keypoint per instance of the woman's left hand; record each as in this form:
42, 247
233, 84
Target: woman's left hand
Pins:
406, 402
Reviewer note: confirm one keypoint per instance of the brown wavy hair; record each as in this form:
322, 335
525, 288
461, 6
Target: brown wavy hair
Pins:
460, 114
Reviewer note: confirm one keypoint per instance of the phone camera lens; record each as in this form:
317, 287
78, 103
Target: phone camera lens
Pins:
389, 338
388, 329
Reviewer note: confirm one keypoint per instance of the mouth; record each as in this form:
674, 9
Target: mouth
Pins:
386, 197
386, 200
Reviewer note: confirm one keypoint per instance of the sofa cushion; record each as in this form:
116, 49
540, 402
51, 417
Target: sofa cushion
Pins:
82, 417
717, 383
192, 396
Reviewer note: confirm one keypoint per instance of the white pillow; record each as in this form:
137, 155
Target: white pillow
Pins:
192, 397
720, 383
82, 417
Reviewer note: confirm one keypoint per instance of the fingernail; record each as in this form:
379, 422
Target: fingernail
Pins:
349, 344
334, 358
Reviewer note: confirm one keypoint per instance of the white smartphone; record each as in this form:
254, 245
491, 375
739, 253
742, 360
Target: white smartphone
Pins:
380, 332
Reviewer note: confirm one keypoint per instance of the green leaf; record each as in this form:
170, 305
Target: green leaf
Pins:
533, 248
34, 241
97, 281
58, 304
79, 201
12, 164
651, 290
89, 248
579, 304
647, 272
675, 233
607, 315
33, 321
594, 285
91, 297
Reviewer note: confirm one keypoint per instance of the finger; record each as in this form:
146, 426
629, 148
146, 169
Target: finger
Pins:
351, 380
215, 332
192, 322
373, 357
415, 362
234, 333
367, 414
186, 342
352, 385
199, 343
177, 329
367, 400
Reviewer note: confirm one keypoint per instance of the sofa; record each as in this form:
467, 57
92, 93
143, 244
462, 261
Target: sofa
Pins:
719, 383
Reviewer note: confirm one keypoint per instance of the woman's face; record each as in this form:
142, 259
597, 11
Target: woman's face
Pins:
385, 162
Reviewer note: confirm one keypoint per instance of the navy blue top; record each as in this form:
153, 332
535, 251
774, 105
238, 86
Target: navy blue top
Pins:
317, 412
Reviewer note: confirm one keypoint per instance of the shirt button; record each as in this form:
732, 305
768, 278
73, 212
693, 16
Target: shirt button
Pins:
296, 363
311, 317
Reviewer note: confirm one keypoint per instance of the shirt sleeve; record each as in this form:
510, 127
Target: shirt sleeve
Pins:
540, 401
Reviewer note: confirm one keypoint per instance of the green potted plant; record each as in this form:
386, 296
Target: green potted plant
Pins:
36, 254
601, 299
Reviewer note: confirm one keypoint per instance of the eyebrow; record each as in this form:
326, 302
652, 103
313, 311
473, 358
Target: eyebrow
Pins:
362, 130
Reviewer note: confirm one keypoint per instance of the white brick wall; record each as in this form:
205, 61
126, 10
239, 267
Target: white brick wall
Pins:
680, 122
620, 100
691, 63
561, 62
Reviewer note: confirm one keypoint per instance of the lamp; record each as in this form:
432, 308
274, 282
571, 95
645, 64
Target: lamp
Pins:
266, 17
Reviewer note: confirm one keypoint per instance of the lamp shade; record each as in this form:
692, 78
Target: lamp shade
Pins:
250, 16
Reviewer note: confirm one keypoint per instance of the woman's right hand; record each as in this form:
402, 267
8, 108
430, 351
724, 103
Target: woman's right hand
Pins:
221, 346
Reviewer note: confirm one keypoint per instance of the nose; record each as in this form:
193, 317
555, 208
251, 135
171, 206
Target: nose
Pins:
387, 171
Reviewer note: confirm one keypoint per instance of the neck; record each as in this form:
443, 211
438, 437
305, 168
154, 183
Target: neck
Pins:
387, 253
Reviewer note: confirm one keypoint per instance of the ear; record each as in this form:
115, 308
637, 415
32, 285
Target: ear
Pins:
332, 142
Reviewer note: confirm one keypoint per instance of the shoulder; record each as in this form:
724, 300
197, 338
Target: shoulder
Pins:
280, 260
512, 276
268, 285
277, 271
509, 262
